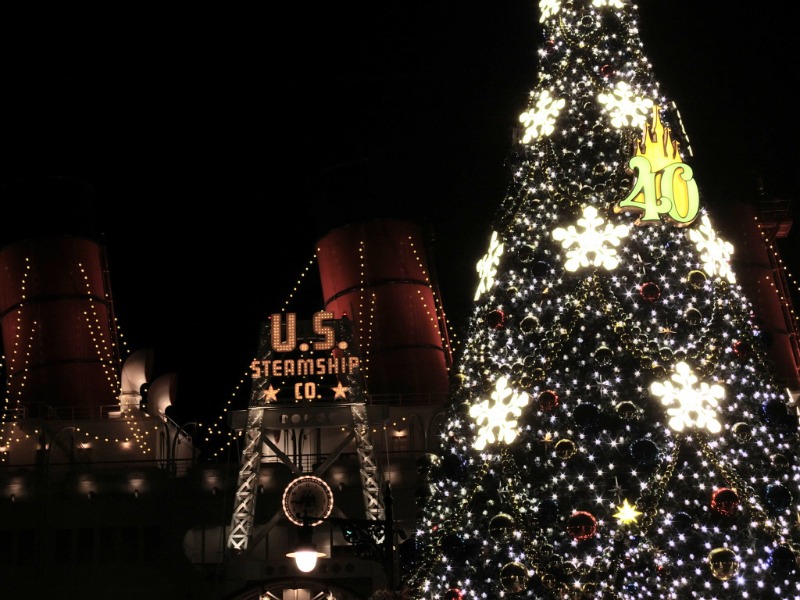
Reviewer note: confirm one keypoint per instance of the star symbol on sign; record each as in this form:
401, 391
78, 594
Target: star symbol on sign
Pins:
271, 394
339, 391
626, 513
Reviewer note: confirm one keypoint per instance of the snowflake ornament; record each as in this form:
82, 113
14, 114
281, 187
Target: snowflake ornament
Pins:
548, 8
593, 244
714, 252
692, 407
611, 3
541, 121
625, 108
500, 416
487, 266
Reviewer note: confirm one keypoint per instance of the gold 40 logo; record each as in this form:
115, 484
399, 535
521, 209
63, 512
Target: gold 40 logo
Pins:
664, 186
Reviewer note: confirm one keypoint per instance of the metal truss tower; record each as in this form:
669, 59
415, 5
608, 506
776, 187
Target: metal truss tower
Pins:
263, 416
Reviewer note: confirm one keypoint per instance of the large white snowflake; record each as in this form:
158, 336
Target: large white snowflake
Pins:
498, 414
611, 3
594, 244
548, 8
487, 266
690, 406
541, 121
626, 108
714, 251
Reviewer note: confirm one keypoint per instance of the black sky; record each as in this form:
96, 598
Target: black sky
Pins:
222, 145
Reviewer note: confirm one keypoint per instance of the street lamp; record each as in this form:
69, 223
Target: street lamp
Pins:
361, 533
305, 553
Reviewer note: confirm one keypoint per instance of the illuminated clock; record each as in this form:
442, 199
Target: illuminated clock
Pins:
307, 500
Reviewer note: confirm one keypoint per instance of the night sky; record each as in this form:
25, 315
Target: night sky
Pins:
221, 145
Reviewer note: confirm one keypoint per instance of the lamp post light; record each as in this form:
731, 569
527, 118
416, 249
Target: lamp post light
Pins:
305, 553
361, 533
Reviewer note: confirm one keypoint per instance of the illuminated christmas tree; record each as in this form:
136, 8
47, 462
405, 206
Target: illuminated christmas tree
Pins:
617, 431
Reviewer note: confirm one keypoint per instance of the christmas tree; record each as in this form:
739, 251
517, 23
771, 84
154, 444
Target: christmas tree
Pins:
616, 430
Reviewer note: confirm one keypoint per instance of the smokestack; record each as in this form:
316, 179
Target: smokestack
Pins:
56, 312
377, 274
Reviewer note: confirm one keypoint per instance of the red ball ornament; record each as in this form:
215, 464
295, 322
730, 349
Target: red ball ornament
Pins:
582, 525
453, 594
548, 400
650, 292
607, 71
725, 501
549, 47
496, 319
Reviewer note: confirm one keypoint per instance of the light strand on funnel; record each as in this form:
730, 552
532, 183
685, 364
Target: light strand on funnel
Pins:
102, 346
124, 351
20, 372
365, 334
439, 319
786, 302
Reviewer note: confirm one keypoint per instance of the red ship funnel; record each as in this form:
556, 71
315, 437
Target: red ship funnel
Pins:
57, 323
377, 274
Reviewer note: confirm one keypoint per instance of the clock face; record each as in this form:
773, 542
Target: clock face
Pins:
307, 500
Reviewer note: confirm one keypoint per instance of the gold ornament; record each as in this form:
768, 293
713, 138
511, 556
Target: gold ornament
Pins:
603, 355
627, 410
565, 449
514, 577
697, 279
529, 324
779, 462
742, 432
693, 316
724, 564
501, 527
549, 581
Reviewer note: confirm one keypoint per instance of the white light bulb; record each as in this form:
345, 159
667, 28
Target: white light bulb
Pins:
306, 560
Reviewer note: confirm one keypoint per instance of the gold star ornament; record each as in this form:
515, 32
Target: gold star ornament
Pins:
626, 513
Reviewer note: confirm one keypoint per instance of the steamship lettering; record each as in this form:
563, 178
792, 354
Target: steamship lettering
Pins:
302, 367
283, 338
